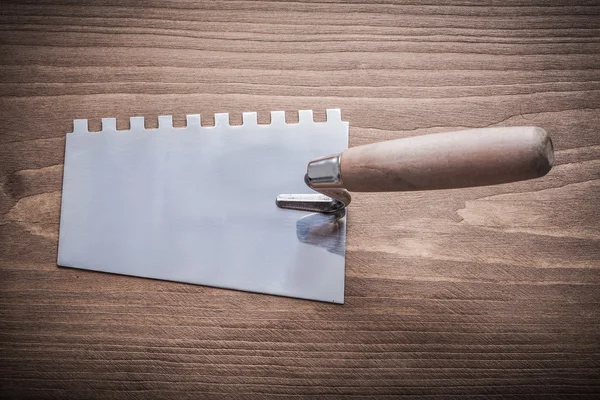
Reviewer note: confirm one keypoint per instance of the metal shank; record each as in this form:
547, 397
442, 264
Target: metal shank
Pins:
324, 176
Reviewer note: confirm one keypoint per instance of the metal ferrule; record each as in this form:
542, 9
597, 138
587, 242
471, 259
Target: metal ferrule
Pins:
324, 172
323, 175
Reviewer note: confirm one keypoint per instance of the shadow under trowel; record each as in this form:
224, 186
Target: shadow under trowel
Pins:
324, 230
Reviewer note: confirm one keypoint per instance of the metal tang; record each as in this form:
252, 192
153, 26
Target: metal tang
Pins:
323, 175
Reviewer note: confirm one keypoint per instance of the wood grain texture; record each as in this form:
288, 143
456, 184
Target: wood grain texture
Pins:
484, 292
448, 160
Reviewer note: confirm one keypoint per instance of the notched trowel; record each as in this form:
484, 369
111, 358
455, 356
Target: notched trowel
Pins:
226, 206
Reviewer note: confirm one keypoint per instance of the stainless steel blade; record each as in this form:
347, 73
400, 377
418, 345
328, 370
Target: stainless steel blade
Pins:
196, 204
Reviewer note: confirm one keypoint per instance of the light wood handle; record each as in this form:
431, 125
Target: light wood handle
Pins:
475, 157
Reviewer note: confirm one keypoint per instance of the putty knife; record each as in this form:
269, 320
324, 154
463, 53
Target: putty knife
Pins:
199, 204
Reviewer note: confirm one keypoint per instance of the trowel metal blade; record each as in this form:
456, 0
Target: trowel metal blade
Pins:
197, 204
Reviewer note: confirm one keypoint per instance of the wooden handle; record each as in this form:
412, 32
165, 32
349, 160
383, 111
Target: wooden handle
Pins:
475, 157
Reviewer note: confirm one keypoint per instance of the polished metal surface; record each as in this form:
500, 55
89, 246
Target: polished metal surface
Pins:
328, 201
308, 202
195, 204
327, 231
323, 175
324, 172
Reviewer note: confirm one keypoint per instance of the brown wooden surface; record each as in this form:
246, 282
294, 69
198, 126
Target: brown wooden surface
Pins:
486, 291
